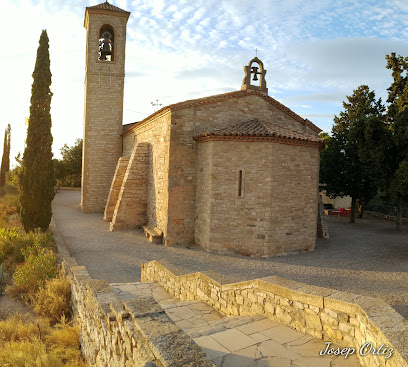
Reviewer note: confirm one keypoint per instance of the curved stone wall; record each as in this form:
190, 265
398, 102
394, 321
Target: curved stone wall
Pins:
345, 319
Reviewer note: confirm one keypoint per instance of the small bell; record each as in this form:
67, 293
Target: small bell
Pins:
254, 70
105, 45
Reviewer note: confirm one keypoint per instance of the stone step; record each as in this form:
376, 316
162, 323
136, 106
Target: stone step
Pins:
231, 341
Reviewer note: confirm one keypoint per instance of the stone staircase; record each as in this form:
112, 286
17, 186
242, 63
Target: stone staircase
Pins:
239, 341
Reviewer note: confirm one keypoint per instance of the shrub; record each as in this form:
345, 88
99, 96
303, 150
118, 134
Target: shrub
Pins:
54, 299
14, 221
13, 201
14, 242
3, 278
11, 189
38, 240
11, 247
40, 264
9, 198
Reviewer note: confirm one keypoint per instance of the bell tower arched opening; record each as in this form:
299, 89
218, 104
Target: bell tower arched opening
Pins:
106, 43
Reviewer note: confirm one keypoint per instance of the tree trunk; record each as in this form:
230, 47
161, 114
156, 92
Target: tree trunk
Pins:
360, 208
353, 210
398, 215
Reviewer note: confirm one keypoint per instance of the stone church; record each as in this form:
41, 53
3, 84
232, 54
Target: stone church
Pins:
235, 172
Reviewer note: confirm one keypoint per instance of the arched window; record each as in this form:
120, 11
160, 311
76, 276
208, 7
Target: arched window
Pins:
106, 43
255, 72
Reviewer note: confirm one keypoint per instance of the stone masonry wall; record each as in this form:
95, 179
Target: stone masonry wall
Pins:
157, 134
203, 197
276, 212
132, 333
131, 206
127, 334
185, 124
115, 188
104, 82
345, 319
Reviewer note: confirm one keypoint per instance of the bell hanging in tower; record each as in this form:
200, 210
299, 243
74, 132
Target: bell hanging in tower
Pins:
105, 46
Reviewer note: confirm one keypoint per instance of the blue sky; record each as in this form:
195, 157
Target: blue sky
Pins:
315, 52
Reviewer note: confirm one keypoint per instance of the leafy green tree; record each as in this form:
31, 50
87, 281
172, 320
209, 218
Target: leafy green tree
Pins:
349, 162
5, 161
325, 136
69, 169
397, 114
16, 172
37, 180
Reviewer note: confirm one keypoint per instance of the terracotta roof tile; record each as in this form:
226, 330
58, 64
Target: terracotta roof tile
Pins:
257, 128
107, 6
207, 100
128, 126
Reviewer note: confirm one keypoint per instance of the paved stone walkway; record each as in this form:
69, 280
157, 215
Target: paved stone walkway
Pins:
368, 258
241, 341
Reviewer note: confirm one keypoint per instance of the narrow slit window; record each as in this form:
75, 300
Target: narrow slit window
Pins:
240, 183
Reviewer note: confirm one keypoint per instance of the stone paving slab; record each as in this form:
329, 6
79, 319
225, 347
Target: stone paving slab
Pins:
239, 341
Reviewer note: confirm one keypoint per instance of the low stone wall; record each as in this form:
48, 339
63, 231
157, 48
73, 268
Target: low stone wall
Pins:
69, 188
125, 334
385, 216
345, 319
114, 333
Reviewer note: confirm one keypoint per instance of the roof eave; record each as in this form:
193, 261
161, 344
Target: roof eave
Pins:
255, 138
91, 9
147, 120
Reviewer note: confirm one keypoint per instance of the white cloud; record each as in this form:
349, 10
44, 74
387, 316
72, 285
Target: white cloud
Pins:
316, 53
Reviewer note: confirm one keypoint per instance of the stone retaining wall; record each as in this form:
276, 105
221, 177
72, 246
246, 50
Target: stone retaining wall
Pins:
345, 319
380, 215
114, 333
125, 334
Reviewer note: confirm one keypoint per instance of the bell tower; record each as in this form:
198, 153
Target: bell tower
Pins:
104, 81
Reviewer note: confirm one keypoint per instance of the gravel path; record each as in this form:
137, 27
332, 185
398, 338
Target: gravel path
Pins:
368, 258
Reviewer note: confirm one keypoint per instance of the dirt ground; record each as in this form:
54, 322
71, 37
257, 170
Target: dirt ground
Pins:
10, 307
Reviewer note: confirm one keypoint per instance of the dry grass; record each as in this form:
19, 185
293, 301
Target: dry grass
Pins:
27, 341
53, 301
36, 344
15, 329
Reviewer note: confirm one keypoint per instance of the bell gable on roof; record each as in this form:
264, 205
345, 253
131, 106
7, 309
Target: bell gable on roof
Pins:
254, 71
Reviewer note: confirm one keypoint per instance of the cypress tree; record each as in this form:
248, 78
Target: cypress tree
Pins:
37, 167
5, 161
